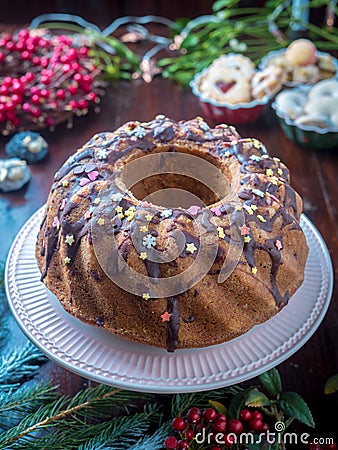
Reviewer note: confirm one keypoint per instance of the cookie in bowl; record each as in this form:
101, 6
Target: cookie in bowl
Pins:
233, 91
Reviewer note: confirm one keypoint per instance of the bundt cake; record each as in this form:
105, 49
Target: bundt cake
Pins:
112, 252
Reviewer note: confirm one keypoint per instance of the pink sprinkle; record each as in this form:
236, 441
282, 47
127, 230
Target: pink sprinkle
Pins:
84, 181
63, 204
274, 198
244, 230
56, 222
194, 210
93, 175
88, 215
145, 204
278, 244
216, 211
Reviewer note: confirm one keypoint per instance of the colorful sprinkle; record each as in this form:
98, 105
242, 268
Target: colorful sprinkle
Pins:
63, 204
193, 210
143, 255
247, 239
227, 154
244, 230
221, 233
278, 244
191, 248
254, 207
274, 180
120, 215
119, 209
165, 317
56, 222
149, 217
255, 158
269, 172
256, 143
93, 175
88, 215
254, 270
130, 213
100, 221
167, 213
248, 209
143, 229
149, 241
69, 240
261, 218
238, 208
258, 192
280, 171
102, 153
67, 260
84, 181
117, 197
216, 211
97, 201
146, 296
276, 159
65, 183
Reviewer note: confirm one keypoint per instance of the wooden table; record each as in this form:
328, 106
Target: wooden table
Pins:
314, 176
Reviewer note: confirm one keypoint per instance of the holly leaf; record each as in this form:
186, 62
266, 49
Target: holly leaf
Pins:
256, 398
220, 408
294, 406
331, 385
237, 402
271, 381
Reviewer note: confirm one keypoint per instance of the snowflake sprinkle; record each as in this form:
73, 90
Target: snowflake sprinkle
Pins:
102, 153
149, 241
117, 197
166, 213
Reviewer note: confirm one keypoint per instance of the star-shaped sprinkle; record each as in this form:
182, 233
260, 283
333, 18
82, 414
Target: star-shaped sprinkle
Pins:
88, 215
221, 233
216, 211
97, 201
244, 230
258, 192
67, 260
119, 209
247, 239
149, 217
278, 244
56, 222
165, 317
280, 171
166, 213
143, 255
65, 183
193, 210
143, 229
261, 218
254, 270
69, 240
146, 296
102, 153
227, 154
269, 172
191, 248
274, 180
149, 241
100, 221
117, 197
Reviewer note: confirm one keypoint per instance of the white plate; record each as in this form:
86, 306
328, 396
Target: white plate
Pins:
96, 354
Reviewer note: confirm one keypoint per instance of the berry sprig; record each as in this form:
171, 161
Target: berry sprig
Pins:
45, 79
212, 430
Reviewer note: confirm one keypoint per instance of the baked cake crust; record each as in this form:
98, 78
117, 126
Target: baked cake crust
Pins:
269, 271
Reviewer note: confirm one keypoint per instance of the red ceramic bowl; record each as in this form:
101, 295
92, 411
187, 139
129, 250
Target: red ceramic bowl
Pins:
232, 114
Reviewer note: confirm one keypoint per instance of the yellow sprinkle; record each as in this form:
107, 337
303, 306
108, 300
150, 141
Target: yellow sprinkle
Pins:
65, 183
143, 229
269, 172
227, 154
254, 207
69, 239
120, 216
129, 214
191, 248
119, 209
97, 201
221, 233
132, 208
261, 218
274, 180
95, 136
143, 255
280, 172
146, 296
276, 159
254, 270
265, 157
238, 208
100, 221
248, 209
149, 217
256, 143
247, 239
67, 260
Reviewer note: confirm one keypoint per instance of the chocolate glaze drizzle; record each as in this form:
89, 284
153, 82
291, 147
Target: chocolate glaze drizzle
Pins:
226, 143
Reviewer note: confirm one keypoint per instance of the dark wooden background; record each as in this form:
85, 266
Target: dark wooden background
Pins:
314, 176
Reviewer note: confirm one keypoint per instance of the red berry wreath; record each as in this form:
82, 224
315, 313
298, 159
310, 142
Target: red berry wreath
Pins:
44, 79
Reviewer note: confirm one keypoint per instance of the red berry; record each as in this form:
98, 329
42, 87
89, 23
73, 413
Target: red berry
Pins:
245, 415
25, 55
183, 444
2, 57
77, 77
44, 93
265, 427
30, 76
257, 415
229, 440
83, 104
44, 63
26, 107
219, 426
221, 416
61, 94
35, 112
171, 443
178, 424
16, 99
72, 89
194, 414
83, 51
4, 90
35, 99
45, 79
210, 414
255, 424
36, 61
23, 34
10, 46
188, 434
235, 426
